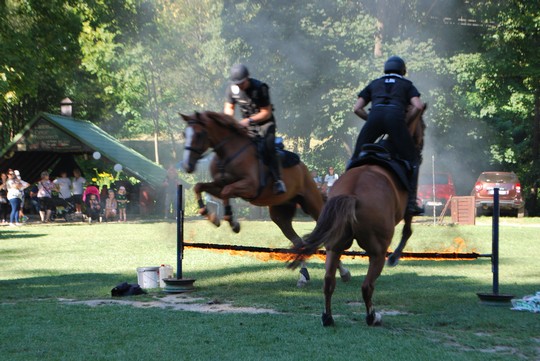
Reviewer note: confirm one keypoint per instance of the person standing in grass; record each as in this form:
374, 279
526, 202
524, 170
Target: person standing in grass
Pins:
45, 188
63, 184
77, 188
15, 188
122, 204
330, 178
4, 203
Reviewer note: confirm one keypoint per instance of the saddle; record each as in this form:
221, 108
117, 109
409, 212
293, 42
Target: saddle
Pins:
378, 154
287, 158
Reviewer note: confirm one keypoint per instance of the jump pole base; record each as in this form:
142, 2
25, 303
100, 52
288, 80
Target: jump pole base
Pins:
495, 299
178, 285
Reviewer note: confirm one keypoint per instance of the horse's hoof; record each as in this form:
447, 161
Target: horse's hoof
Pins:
392, 260
304, 278
345, 276
327, 320
235, 226
374, 319
302, 282
212, 217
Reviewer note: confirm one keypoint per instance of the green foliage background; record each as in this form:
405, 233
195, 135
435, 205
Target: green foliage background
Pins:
130, 66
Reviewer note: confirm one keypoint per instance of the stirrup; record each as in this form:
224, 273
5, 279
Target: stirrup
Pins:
279, 187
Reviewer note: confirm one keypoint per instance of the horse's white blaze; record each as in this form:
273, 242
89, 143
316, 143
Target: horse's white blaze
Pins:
189, 138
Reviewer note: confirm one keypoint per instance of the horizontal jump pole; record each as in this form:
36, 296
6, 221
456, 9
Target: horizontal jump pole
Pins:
424, 255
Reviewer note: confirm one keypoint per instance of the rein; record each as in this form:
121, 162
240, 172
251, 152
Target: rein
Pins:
221, 163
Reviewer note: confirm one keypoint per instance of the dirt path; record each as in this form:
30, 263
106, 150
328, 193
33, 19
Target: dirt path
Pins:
176, 302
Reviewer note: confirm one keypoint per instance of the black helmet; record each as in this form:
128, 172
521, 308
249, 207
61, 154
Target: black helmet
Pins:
396, 65
239, 73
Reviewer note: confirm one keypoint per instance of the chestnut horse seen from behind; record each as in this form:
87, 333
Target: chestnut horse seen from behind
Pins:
365, 203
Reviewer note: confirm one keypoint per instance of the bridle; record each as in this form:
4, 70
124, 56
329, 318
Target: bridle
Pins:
199, 150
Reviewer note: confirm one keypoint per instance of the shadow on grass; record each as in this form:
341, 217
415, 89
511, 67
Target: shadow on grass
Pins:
20, 234
79, 285
271, 285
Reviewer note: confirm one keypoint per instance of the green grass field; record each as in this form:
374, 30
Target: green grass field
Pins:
55, 303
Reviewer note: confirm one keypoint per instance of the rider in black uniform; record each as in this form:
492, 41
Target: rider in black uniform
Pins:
390, 97
253, 98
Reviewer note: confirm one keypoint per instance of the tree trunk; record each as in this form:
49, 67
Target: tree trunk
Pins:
156, 145
377, 48
536, 128
170, 132
535, 154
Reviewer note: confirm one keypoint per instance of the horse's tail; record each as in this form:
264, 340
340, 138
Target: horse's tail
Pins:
334, 225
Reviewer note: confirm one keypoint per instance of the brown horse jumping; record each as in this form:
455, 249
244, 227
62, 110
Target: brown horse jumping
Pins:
237, 173
365, 204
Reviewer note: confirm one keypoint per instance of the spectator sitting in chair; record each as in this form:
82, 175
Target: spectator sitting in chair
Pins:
111, 207
93, 208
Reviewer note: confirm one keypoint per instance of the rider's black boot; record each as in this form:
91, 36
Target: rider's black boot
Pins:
412, 206
275, 169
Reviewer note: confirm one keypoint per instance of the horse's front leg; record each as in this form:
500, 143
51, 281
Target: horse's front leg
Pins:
406, 233
282, 216
212, 189
240, 189
229, 217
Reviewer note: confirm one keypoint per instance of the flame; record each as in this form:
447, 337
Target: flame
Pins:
459, 246
451, 254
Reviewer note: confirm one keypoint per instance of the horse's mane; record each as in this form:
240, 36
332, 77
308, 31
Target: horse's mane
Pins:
227, 121
418, 134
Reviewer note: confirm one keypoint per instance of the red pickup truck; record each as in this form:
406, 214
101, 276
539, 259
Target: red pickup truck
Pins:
434, 190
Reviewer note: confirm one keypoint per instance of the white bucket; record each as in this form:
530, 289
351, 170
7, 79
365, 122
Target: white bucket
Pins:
148, 277
165, 271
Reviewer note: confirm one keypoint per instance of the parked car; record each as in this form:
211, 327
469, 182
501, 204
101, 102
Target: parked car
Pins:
434, 190
510, 197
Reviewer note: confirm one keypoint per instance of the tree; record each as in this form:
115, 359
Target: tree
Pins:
502, 84
38, 59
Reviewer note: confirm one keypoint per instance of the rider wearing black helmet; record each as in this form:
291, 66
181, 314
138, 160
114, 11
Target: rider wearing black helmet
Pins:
253, 99
393, 100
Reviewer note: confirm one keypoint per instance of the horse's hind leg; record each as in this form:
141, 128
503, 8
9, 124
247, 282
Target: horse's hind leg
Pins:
312, 206
376, 264
282, 216
229, 217
331, 264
